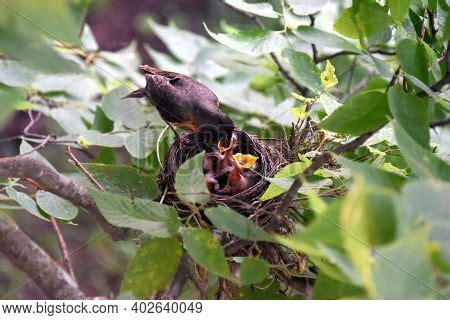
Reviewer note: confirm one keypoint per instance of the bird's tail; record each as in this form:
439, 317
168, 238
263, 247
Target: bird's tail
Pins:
139, 93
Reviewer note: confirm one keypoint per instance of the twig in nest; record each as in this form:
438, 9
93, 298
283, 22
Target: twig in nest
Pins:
83, 169
63, 247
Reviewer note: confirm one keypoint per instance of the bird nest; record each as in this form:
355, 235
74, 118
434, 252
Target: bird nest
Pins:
247, 202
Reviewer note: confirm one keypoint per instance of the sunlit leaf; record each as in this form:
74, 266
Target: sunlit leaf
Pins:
363, 112
424, 163
326, 39
304, 8
254, 42
263, 9
328, 77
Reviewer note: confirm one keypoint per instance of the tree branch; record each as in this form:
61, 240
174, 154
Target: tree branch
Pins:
441, 83
440, 123
63, 248
317, 163
36, 263
183, 273
50, 180
274, 57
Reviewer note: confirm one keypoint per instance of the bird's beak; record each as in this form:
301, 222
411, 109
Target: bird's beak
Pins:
139, 93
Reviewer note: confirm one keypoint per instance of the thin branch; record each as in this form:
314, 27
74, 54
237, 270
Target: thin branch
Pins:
320, 160
274, 57
183, 273
83, 169
41, 145
36, 263
312, 20
440, 123
334, 55
62, 245
444, 81
52, 181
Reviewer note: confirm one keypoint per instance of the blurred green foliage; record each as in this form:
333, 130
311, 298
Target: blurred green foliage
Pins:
377, 225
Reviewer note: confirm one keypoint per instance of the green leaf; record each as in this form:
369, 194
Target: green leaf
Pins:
322, 241
399, 9
355, 238
225, 219
304, 69
411, 112
14, 74
204, 248
326, 39
407, 264
141, 143
25, 201
54, 19
328, 77
9, 98
362, 20
263, 9
26, 148
190, 181
417, 59
373, 175
326, 288
427, 202
125, 111
151, 217
124, 180
101, 122
33, 51
183, 45
305, 8
300, 112
255, 42
56, 206
424, 163
346, 25
152, 267
253, 271
95, 138
363, 112
287, 171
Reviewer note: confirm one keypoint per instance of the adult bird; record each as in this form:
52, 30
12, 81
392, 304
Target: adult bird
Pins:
187, 104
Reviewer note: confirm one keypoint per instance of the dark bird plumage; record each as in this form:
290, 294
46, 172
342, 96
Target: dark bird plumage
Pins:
187, 104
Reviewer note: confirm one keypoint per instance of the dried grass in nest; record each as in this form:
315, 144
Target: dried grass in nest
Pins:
247, 202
